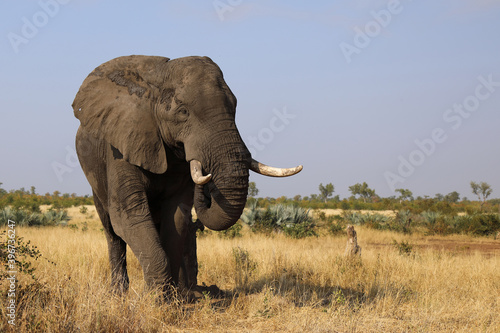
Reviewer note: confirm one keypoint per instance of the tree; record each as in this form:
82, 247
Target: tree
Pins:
404, 194
362, 190
326, 191
452, 197
439, 197
33, 190
252, 190
482, 190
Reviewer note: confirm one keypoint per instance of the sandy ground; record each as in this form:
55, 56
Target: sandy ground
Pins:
329, 212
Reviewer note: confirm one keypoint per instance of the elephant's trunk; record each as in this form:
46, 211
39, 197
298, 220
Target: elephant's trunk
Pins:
220, 202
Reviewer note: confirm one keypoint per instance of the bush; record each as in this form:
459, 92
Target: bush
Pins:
404, 247
374, 221
437, 223
294, 221
83, 210
336, 228
300, 230
334, 223
24, 254
233, 232
24, 217
402, 222
53, 217
477, 224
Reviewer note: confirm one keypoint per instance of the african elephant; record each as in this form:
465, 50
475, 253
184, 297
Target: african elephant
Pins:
157, 136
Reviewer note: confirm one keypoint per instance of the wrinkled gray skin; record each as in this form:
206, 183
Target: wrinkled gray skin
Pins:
143, 118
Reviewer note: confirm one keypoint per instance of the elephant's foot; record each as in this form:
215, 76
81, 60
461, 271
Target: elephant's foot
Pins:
197, 293
119, 286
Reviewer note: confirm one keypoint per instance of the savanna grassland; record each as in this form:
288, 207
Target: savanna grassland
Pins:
401, 283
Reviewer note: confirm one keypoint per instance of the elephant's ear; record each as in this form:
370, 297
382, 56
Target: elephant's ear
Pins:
115, 103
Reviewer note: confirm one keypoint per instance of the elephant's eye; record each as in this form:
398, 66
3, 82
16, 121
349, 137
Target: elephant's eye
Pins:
182, 114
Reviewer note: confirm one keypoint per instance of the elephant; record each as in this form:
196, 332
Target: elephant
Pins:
157, 137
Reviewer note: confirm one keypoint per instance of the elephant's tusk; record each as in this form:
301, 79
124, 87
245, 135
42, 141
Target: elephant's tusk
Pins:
267, 170
196, 173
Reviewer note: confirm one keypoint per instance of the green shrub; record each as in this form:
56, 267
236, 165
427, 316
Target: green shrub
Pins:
24, 217
335, 225
336, 228
345, 205
54, 217
402, 222
83, 210
477, 224
437, 223
294, 221
24, 254
300, 230
233, 232
374, 221
404, 247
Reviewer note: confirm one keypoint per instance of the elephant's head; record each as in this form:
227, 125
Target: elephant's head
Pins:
149, 108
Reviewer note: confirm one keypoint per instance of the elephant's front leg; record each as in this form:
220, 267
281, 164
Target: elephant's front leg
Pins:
132, 220
174, 229
143, 238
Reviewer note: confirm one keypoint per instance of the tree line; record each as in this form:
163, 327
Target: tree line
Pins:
31, 201
364, 197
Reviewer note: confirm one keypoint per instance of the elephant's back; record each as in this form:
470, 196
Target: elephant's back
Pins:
144, 68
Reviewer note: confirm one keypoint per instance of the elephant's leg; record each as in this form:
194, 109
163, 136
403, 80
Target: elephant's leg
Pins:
143, 238
189, 269
117, 250
132, 220
174, 228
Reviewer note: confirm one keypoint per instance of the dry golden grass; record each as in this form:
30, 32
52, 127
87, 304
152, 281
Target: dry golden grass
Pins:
282, 285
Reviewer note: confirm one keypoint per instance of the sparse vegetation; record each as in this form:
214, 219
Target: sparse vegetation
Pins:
271, 284
272, 281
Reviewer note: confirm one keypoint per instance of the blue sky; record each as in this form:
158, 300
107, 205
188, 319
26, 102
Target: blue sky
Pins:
398, 94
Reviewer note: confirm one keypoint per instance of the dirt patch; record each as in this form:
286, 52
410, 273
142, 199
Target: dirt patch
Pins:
453, 246
483, 246
389, 213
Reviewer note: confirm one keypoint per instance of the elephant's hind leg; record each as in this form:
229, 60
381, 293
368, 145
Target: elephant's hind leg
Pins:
117, 250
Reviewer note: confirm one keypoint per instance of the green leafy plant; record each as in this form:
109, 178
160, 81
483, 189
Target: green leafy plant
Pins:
293, 220
24, 217
437, 223
83, 210
23, 252
233, 232
402, 222
477, 224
